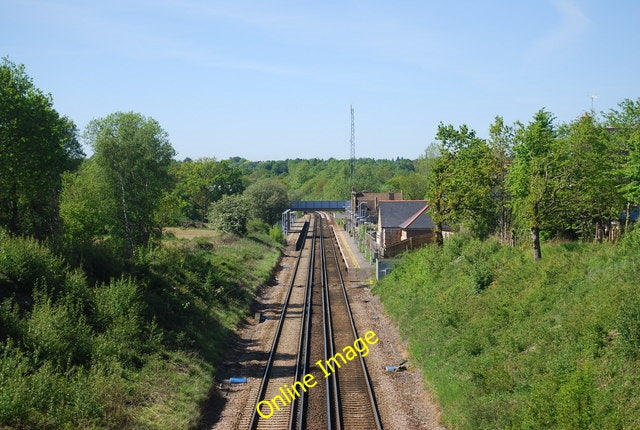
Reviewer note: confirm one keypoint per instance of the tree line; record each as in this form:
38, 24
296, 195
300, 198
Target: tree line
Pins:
524, 182
578, 180
125, 192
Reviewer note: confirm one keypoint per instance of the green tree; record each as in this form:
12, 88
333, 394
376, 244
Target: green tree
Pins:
36, 146
203, 181
537, 177
462, 182
624, 123
134, 154
413, 185
501, 141
85, 212
267, 199
230, 214
593, 161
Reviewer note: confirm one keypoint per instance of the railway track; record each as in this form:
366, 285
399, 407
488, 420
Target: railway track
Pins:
283, 363
316, 321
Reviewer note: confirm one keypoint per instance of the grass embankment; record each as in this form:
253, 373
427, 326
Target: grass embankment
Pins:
120, 344
508, 343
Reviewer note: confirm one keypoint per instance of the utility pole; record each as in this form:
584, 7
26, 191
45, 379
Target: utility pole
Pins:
352, 161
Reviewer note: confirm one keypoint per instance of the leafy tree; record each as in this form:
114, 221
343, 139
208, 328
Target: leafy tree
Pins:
85, 212
267, 199
537, 177
203, 181
414, 185
230, 214
134, 154
462, 181
625, 126
36, 146
593, 162
501, 141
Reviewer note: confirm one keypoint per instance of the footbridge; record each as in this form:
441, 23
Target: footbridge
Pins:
320, 205
289, 216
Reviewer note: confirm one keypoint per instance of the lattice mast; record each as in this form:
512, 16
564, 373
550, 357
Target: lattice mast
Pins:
352, 161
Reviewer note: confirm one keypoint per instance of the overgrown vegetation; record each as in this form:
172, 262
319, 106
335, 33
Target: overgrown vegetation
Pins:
508, 343
132, 348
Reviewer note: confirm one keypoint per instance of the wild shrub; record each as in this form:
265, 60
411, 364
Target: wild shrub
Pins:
480, 258
124, 335
41, 396
540, 406
203, 243
628, 324
11, 322
256, 225
14, 395
86, 347
276, 235
575, 401
58, 333
25, 262
99, 260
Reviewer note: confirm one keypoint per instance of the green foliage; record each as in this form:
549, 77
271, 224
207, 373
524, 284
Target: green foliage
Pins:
628, 324
133, 152
316, 179
58, 333
119, 317
538, 176
624, 125
266, 200
593, 162
36, 145
45, 398
508, 343
463, 181
132, 352
85, 212
275, 233
25, 264
414, 185
202, 182
255, 225
230, 214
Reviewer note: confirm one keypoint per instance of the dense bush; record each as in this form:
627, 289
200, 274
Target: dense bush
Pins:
275, 233
25, 264
85, 346
508, 343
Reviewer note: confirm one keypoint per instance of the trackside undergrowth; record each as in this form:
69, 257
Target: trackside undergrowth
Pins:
95, 341
508, 343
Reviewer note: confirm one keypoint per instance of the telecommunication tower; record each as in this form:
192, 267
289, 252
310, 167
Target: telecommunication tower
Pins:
352, 161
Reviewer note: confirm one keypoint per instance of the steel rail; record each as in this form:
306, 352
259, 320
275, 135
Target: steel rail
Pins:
299, 405
265, 378
367, 378
333, 399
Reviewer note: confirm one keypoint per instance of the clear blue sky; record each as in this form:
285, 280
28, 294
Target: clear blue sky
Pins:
274, 79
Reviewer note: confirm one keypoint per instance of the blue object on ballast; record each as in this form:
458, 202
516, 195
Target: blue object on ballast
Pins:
237, 380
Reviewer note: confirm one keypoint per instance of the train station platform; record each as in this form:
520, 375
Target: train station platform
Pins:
359, 268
